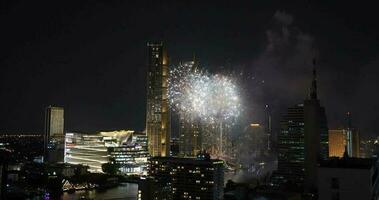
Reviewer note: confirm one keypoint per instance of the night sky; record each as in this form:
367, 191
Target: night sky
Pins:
90, 57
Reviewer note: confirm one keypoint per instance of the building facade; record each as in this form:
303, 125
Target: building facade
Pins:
344, 139
348, 178
187, 178
157, 109
337, 143
291, 148
54, 135
302, 143
126, 148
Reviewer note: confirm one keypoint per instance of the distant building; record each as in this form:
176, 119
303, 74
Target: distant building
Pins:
174, 147
189, 137
348, 178
339, 139
251, 145
54, 134
302, 142
352, 138
186, 178
126, 148
157, 109
337, 142
190, 128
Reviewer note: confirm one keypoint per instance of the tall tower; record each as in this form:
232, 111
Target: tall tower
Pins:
190, 138
352, 138
302, 142
54, 134
315, 136
157, 108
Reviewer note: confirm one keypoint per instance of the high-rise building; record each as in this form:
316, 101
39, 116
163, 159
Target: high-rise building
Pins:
291, 148
337, 142
157, 109
187, 178
352, 138
54, 134
315, 136
344, 139
190, 143
303, 142
268, 127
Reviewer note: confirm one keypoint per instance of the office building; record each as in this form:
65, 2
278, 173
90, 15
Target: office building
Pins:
157, 107
348, 178
291, 148
174, 147
187, 178
302, 142
352, 138
189, 137
251, 145
341, 139
54, 135
337, 142
126, 148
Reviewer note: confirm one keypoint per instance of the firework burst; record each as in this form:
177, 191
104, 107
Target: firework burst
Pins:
195, 93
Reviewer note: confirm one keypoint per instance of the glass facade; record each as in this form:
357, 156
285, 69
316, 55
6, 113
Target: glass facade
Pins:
157, 108
126, 148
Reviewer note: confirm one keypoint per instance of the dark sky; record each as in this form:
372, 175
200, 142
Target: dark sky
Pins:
90, 57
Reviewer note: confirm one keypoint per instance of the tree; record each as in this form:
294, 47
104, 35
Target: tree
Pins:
110, 168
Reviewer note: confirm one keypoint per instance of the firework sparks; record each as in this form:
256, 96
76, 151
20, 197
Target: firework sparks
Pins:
195, 93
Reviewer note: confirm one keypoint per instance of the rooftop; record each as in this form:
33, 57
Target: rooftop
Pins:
350, 163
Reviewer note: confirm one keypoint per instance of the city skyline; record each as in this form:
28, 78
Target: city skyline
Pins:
101, 80
211, 100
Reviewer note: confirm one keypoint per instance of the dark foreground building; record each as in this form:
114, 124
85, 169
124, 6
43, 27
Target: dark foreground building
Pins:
302, 143
184, 178
348, 178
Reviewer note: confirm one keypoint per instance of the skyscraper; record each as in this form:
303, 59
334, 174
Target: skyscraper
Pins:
302, 142
190, 138
337, 142
54, 134
315, 136
291, 148
157, 108
344, 139
352, 138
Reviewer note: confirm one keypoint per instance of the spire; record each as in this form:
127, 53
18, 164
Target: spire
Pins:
348, 119
345, 154
313, 93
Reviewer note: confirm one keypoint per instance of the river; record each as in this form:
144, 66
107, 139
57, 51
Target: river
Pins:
127, 191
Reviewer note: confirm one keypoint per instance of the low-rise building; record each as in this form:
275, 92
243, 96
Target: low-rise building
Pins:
348, 178
128, 149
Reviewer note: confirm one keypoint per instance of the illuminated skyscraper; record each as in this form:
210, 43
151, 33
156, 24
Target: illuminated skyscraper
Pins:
157, 108
54, 134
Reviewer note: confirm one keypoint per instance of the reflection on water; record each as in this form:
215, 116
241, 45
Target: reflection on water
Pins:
127, 191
